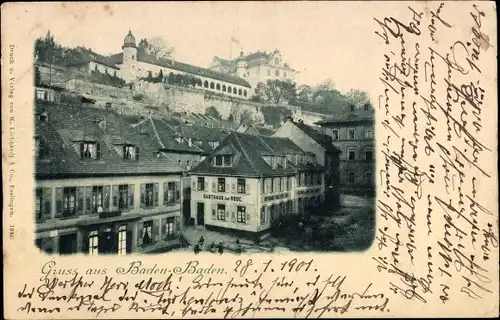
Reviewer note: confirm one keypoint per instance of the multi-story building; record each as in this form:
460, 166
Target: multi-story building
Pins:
104, 186
255, 67
352, 131
250, 181
131, 64
327, 155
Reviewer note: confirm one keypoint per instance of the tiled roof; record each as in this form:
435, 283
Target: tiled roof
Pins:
68, 124
184, 67
201, 133
347, 115
248, 159
322, 139
86, 55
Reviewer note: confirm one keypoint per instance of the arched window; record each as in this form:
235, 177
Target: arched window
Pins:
268, 72
205, 84
240, 92
277, 73
212, 85
245, 93
235, 91
229, 89
217, 87
223, 88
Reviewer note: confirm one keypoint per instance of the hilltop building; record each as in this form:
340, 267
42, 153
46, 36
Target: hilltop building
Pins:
255, 67
131, 64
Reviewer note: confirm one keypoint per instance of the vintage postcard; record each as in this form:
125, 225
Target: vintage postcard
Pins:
249, 159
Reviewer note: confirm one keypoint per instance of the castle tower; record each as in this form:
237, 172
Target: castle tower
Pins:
129, 57
241, 66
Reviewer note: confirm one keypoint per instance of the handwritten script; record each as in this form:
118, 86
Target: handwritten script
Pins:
436, 175
246, 289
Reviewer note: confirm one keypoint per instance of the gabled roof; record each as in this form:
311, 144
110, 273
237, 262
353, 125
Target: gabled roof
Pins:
347, 115
86, 55
184, 67
66, 125
322, 139
201, 133
249, 152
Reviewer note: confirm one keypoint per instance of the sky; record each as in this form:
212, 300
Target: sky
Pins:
321, 40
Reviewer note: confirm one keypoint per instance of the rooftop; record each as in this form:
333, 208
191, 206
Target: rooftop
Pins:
350, 114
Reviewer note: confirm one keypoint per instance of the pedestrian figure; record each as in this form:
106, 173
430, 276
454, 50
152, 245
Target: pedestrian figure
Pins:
201, 241
221, 248
212, 247
197, 249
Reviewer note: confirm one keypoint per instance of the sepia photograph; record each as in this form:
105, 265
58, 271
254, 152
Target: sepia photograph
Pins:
250, 159
143, 150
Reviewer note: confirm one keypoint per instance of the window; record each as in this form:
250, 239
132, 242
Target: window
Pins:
350, 177
218, 161
216, 144
169, 227
217, 87
368, 133
335, 134
318, 178
280, 184
281, 162
284, 74
38, 203
263, 187
241, 186
90, 150
288, 183
223, 161
133, 57
241, 214
123, 196
212, 85
169, 196
97, 199
368, 177
149, 195
351, 153
221, 212
221, 185
69, 201
235, 91
205, 84
262, 215
40, 94
368, 153
201, 183
147, 229
41, 150
229, 89
351, 134
277, 73
94, 242
268, 72
227, 161
130, 152
122, 240
240, 92
223, 88
244, 93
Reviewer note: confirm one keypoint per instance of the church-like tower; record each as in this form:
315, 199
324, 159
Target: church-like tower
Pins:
241, 66
129, 57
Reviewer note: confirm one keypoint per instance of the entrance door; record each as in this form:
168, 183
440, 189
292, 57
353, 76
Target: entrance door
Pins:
200, 213
67, 244
107, 243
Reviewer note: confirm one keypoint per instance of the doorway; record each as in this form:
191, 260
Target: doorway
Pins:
107, 241
200, 213
67, 244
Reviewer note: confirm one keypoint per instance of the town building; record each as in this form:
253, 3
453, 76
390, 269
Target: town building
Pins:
249, 182
255, 67
47, 93
104, 186
132, 64
312, 140
352, 131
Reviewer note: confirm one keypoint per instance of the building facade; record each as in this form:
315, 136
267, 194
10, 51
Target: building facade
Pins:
104, 186
132, 64
250, 182
255, 67
327, 155
353, 132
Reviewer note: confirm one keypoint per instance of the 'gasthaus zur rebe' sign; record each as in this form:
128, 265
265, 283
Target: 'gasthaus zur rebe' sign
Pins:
225, 198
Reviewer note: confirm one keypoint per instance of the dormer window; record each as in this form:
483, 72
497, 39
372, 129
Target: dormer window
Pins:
223, 161
130, 152
281, 162
90, 150
41, 149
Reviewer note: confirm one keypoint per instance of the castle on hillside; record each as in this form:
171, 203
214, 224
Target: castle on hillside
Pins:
132, 64
255, 67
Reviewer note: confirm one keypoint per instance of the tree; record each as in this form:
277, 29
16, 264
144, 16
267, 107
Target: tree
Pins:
213, 112
357, 97
159, 47
304, 93
276, 91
